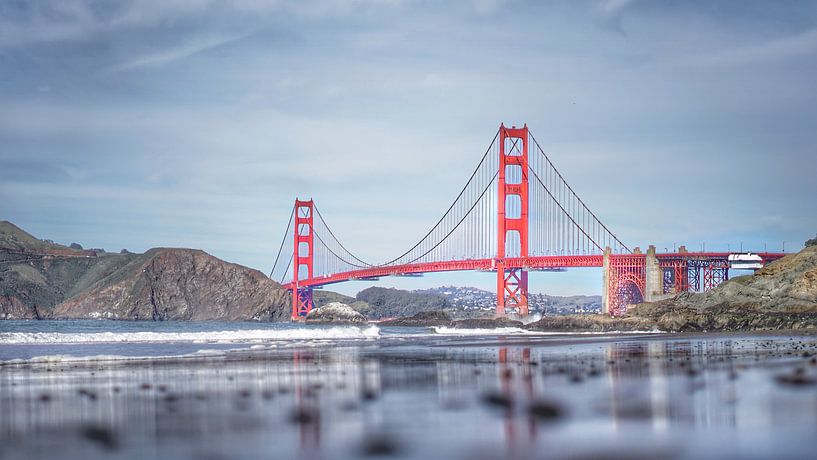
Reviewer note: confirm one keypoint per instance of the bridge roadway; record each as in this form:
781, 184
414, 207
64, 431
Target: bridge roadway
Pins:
532, 263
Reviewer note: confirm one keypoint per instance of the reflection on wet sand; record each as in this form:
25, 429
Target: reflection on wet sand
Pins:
460, 398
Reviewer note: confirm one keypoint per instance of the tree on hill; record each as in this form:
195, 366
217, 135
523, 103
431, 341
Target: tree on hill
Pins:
811, 242
76, 246
388, 302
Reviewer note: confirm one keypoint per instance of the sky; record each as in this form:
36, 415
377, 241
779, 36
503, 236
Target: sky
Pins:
196, 123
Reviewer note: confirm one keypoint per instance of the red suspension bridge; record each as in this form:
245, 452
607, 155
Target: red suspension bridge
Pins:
515, 214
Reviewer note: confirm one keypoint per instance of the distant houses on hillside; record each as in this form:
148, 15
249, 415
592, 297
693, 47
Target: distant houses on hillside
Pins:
471, 298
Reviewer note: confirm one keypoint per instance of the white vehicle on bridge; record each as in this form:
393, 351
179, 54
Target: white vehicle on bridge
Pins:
747, 261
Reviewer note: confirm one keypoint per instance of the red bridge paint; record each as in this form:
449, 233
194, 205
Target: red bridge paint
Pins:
540, 224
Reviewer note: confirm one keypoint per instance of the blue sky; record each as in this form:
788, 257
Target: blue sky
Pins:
196, 123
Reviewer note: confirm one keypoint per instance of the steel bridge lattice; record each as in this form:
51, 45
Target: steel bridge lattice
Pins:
515, 213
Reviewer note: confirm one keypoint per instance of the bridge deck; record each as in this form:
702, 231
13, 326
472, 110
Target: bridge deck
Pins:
533, 263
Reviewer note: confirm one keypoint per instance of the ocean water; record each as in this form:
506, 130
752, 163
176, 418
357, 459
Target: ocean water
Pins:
131, 390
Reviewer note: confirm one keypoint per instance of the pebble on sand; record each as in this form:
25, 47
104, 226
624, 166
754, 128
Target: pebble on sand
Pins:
100, 435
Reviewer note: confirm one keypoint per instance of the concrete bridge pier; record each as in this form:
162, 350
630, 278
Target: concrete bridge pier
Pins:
654, 282
641, 270
605, 282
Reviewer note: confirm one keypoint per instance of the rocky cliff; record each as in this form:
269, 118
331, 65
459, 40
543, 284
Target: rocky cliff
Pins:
39, 279
783, 295
180, 284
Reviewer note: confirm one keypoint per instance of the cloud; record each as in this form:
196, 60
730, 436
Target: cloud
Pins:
612, 7
779, 49
189, 48
381, 110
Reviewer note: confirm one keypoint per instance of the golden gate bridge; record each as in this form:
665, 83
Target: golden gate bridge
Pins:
515, 214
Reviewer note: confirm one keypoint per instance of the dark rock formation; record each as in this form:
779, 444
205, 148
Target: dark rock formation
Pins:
323, 297
422, 319
783, 295
336, 313
36, 275
44, 280
486, 323
590, 323
180, 284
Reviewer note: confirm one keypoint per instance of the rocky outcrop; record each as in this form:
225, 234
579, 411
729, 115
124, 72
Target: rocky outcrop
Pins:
180, 284
41, 279
486, 323
783, 295
335, 313
12, 307
590, 323
422, 319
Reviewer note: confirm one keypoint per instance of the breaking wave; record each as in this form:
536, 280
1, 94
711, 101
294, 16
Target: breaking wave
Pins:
234, 336
443, 330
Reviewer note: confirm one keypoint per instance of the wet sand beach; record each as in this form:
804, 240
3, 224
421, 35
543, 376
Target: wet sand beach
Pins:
426, 397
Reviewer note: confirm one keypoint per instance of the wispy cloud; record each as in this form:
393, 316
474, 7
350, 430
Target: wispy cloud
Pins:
158, 121
191, 47
779, 49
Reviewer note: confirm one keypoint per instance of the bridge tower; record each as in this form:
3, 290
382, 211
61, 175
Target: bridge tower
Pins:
303, 258
512, 206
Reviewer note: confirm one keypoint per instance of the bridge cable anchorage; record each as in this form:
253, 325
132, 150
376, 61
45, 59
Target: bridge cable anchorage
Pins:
283, 241
556, 171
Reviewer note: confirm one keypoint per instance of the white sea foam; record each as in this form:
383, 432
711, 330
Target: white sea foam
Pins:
234, 336
443, 330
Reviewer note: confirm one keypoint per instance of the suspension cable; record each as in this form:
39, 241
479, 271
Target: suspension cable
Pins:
449, 208
460, 222
283, 241
339, 257
337, 240
574, 194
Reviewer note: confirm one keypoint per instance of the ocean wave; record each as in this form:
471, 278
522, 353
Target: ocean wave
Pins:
443, 330
234, 336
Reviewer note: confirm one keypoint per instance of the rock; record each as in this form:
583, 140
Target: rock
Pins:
486, 323
55, 281
100, 435
546, 410
782, 295
180, 284
422, 319
590, 323
335, 313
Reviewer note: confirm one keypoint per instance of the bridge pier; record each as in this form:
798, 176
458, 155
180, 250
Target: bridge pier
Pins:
605, 282
303, 258
512, 185
654, 277
562, 232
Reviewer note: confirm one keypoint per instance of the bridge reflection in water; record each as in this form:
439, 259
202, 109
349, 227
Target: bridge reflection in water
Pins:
468, 398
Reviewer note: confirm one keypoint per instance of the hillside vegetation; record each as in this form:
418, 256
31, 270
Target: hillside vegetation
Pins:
40, 279
781, 295
393, 303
